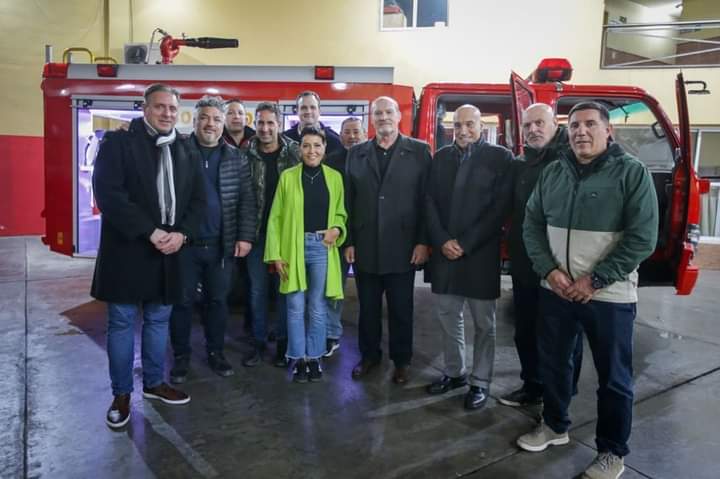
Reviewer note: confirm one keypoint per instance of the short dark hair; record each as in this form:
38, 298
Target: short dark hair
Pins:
591, 105
268, 106
231, 101
307, 93
156, 87
311, 130
351, 118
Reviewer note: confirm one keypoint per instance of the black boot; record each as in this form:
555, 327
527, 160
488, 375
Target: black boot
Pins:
255, 356
280, 351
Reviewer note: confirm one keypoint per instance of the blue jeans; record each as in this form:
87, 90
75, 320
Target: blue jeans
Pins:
206, 265
609, 330
121, 343
260, 283
335, 307
309, 342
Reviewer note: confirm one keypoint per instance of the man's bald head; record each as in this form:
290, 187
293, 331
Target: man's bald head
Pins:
539, 125
467, 125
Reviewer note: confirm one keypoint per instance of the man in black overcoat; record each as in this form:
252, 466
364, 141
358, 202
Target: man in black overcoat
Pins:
150, 192
468, 196
385, 191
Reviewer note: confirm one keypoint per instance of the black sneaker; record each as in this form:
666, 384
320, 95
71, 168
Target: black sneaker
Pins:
219, 364
119, 412
476, 398
254, 357
300, 372
520, 398
314, 370
332, 345
179, 371
280, 351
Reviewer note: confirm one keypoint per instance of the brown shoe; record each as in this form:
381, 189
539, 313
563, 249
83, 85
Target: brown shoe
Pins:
401, 375
119, 413
166, 394
363, 367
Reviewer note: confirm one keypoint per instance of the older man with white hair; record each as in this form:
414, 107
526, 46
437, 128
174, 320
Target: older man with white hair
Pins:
545, 141
385, 191
468, 195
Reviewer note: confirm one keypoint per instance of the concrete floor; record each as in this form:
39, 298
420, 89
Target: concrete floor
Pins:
257, 424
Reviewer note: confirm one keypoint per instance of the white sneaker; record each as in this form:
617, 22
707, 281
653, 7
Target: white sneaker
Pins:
542, 437
606, 465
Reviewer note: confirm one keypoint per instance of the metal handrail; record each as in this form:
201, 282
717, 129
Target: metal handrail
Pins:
643, 29
665, 24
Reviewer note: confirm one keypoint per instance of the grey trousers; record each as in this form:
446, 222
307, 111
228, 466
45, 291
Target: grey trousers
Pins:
449, 313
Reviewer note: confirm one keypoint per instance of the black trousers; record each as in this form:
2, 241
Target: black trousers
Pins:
526, 299
398, 289
206, 265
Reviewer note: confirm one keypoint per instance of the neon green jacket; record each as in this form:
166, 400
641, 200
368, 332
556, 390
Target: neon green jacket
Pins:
286, 227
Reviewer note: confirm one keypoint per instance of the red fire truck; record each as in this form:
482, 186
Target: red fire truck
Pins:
82, 101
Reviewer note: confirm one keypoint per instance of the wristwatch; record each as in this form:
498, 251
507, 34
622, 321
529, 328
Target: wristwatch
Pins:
597, 282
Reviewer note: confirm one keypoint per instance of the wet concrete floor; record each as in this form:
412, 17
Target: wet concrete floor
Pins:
258, 424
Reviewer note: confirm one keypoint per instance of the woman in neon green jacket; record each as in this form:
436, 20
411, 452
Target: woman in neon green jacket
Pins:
305, 229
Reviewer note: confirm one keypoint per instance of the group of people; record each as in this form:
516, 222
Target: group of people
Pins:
303, 205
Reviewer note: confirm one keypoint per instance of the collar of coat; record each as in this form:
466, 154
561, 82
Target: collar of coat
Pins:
282, 140
557, 145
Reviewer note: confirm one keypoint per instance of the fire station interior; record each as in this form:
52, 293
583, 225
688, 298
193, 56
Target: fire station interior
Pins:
70, 72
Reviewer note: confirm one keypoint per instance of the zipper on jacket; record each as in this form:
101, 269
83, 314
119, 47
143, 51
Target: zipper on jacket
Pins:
569, 228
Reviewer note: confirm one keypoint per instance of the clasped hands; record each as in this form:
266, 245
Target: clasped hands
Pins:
167, 242
579, 291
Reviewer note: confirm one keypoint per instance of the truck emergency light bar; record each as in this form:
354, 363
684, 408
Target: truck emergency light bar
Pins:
552, 70
226, 73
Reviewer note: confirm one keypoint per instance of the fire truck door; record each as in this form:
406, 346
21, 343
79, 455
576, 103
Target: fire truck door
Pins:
685, 200
522, 97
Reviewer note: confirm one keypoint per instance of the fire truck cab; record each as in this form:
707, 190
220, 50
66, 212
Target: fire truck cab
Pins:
83, 101
639, 124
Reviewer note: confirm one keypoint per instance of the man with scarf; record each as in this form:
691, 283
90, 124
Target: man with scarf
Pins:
545, 141
468, 196
149, 189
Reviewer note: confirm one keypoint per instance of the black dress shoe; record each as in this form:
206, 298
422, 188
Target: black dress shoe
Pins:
401, 375
445, 384
476, 397
363, 367
179, 371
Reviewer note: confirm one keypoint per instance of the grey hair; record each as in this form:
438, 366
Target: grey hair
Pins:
386, 98
156, 87
210, 102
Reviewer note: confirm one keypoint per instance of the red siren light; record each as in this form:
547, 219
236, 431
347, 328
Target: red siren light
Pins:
552, 70
324, 73
55, 70
107, 69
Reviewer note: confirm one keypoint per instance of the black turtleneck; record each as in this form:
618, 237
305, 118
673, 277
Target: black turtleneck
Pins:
317, 198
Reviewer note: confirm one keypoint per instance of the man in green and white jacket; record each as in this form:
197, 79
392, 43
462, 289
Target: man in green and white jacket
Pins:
591, 220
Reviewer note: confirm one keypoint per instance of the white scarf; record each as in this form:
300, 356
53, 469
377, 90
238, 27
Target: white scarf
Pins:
165, 182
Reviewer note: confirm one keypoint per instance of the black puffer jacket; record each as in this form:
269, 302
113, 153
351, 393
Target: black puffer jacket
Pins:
526, 171
237, 196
